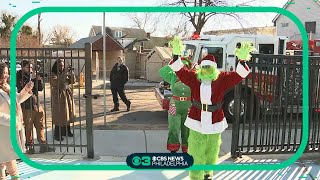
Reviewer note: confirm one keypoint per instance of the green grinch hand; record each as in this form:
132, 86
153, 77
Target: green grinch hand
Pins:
185, 61
176, 45
243, 52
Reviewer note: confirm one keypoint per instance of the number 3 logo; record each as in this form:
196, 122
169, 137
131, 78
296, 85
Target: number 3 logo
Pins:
146, 161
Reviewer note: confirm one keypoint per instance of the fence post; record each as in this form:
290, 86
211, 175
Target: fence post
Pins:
236, 122
88, 92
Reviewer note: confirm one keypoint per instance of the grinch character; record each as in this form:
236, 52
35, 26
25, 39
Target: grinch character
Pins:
180, 103
206, 119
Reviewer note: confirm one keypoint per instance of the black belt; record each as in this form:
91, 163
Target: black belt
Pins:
206, 107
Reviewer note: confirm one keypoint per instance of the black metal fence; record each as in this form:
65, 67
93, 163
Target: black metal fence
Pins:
272, 94
51, 98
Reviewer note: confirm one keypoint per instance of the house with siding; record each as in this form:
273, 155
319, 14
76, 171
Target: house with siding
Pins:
308, 11
136, 43
130, 38
113, 50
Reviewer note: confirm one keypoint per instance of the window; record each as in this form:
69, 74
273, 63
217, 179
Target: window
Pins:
284, 24
281, 46
266, 48
190, 51
318, 44
118, 34
310, 27
265, 61
217, 52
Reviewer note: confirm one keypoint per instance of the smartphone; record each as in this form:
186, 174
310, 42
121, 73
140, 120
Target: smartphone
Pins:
30, 76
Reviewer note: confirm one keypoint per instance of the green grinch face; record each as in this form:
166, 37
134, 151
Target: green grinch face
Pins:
207, 73
207, 70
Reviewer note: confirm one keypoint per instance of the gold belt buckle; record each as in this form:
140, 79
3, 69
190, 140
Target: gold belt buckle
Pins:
204, 107
183, 98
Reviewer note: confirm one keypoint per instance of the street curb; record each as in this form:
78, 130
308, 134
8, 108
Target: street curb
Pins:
127, 87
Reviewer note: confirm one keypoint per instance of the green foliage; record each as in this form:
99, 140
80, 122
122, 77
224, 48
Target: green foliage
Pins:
26, 30
7, 23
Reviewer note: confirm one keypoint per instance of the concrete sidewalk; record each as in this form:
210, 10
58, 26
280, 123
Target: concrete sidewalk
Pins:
121, 143
306, 170
116, 145
98, 84
113, 146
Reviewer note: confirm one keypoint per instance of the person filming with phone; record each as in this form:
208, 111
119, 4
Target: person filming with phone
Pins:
33, 113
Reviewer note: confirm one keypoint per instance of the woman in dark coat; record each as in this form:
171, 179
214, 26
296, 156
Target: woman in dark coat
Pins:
63, 106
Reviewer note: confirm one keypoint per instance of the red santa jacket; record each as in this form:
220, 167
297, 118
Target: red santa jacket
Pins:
208, 93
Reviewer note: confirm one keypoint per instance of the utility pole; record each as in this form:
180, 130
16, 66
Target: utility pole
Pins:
39, 28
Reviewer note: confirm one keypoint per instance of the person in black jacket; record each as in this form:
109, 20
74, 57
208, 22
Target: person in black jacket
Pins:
33, 113
119, 77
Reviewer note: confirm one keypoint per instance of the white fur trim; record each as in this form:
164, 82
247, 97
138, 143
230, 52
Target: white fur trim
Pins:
208, 62
205, 92
195, 125
242, 70
205, 98
177, 65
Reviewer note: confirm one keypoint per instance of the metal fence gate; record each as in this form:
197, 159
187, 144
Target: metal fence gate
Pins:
77, 63
272, 98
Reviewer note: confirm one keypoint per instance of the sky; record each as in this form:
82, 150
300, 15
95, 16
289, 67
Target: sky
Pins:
80, 23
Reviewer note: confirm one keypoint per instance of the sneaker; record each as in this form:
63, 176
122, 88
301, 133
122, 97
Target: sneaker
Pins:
44, 149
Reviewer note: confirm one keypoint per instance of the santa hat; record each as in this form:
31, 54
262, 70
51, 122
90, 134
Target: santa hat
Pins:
208, 60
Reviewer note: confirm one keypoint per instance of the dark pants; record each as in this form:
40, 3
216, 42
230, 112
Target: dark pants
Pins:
120, 91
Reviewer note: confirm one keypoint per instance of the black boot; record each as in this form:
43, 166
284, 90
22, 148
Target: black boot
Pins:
128, 105
58, 133
115, 108
69, 131
63, 131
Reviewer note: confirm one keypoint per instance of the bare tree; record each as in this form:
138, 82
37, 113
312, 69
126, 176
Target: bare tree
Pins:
61, 35
146, 21
181, 28
199, 19
27, 41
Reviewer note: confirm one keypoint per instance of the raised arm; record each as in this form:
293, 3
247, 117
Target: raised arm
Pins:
23, 95
183, 73
231, 79
167, 74
243, 51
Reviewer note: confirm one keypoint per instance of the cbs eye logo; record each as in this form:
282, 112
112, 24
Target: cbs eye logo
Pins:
144, 161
